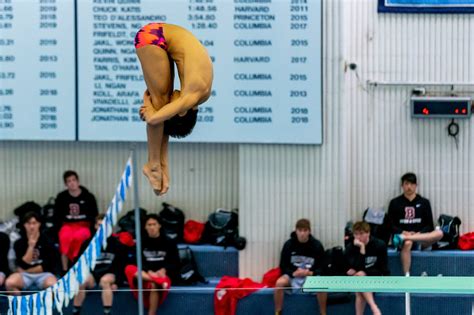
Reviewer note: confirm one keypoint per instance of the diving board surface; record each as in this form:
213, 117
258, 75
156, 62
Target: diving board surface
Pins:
446, 285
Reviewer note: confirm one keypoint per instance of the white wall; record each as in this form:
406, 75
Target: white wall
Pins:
384, 140
369, 142
280, 184
203, 176
370, 139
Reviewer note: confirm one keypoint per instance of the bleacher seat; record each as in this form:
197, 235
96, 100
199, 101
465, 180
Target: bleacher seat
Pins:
200, 302
214, 262
444, 262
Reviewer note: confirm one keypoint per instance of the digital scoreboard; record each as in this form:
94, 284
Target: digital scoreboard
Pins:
441, 107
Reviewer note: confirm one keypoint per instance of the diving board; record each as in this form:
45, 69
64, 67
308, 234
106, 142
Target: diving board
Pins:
445, 285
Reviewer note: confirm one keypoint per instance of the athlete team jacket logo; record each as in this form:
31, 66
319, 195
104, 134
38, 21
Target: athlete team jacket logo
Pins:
410, 216
75, 212
74, 209
409, 213
36, 257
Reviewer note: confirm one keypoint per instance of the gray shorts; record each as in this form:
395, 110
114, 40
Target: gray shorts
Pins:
296, 285
36, 279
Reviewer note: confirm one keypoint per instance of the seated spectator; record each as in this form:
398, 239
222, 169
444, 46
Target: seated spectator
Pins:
108, 271
4, 248
75, 211
409, 214
301, 256
366, 256
35, 258
160, 264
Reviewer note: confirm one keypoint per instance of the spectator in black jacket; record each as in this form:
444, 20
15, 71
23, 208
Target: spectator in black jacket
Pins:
75, 211
4, 248
409, 214
301, 256
366, 256
161, 262
35, 258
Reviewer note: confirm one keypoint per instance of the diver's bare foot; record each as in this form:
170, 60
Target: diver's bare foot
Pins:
165, 184
154, 175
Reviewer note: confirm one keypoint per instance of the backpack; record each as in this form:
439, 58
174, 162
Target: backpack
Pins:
172, 222
348, 234
20, 211
379, 225
334, 262
450, 227
47, 213
127, 222
188, 272
29, 206
50, 224
193, 231
222, 229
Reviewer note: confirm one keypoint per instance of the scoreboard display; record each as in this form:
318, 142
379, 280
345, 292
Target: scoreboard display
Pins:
68, 69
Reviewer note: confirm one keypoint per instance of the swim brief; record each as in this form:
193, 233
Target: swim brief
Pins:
151, 34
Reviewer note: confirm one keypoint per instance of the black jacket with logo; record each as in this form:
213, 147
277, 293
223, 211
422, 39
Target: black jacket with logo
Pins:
82, 208
411, 216
296, 255
158, 253
112, 260
44, 254
373, 263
